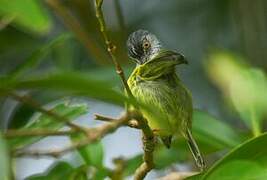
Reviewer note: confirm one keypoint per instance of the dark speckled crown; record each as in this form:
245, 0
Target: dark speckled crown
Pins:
135, 45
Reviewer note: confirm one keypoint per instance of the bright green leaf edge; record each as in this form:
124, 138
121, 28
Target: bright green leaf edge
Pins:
245, 151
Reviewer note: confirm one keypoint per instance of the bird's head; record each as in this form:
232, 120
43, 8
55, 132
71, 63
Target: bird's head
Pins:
142, 46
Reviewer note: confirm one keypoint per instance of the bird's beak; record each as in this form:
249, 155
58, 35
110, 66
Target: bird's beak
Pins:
171, 57
181, 59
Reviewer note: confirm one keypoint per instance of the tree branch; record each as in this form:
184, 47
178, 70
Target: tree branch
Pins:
133, 123
104, 118
93, 134
111, 48
178, 175
34, 104
132, 119
148, 146
13, 133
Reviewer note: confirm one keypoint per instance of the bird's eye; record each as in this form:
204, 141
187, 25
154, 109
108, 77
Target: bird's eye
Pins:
146, 45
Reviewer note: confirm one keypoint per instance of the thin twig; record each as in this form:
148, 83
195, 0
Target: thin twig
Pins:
133, 123
148, 136
104, 118
34, 104
14, 133
111, 48
136, 120
178, 175
93, 135
74, 25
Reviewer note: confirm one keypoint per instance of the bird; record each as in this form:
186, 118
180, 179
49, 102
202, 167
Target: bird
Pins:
154, 82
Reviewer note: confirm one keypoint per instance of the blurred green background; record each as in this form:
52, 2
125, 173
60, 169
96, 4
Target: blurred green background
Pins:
225, 42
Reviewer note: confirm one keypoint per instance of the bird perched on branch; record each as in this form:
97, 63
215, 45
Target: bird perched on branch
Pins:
155, 83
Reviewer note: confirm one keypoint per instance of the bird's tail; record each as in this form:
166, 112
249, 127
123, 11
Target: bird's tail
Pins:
195, 150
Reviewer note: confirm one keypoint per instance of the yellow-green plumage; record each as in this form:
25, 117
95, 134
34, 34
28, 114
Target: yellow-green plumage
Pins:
155, 84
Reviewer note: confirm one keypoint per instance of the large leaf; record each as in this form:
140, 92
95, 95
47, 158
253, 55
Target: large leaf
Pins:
41, 121
92, 154
61, 170
28, 14
251, 106
4, 156
213, 132
247, 161
211, 135
38, 55
70, 82
178, 153
245, 86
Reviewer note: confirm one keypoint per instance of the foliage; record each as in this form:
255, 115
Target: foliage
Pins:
22, 15
62, 170
245, 86
41, 121
246, 161
5, 161
235, 149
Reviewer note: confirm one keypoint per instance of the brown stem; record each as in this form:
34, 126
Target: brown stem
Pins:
93, 135
104, 118
178, 175
111, 48
34, 104
148, 141
133, 123
148, 146
13, 133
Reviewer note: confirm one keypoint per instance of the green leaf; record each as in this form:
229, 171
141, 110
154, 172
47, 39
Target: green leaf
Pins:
243, 85
59, 170
39, 54
132, 164
107, 73
246, 161
211, 135
79, 173
70, 82
100, 174
64, 170
28, 15
251, 106
177, 153
240, 169
4, 156
211, 131
92, 154
41, 121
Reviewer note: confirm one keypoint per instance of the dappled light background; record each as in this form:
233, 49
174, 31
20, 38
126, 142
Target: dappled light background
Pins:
224, 42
